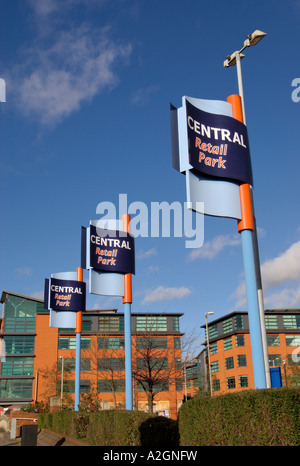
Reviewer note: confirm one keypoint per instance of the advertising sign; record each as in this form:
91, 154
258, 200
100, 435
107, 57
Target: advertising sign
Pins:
111, 251
218, 145
66, 295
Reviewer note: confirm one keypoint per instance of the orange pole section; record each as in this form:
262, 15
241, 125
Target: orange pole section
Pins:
79, 313
127, 277
246, 223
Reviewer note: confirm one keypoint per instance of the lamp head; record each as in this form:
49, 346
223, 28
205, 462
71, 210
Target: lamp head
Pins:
231, 59
254, 38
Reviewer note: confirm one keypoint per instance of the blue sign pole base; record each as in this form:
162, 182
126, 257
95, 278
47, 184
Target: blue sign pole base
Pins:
77, 371
253, 311
128, 357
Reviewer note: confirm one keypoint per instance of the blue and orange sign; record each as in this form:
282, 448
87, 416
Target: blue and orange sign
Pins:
111, 251
218, 145
64, 295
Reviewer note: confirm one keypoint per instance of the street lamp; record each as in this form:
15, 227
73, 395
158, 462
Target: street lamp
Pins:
62, 380
208, 351
231, 60
235, 59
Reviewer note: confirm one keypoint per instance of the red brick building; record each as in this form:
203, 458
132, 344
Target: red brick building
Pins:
35, 353
230, 349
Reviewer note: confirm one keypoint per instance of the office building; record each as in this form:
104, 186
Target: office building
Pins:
230, 349
36, 355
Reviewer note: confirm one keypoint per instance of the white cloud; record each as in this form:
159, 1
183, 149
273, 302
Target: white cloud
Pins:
145, 254
141, 96
64, 68
162, 293
38, 295
23, 271
275, 273
283, 268
214, 247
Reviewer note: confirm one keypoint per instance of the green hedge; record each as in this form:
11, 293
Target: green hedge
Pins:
248, 418
113, 428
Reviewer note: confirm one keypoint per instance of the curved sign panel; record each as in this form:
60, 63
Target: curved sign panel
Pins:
111, 251
218, 145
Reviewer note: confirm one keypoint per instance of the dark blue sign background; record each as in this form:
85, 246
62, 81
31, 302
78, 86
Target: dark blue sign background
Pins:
112, 251
217, 155
69, 298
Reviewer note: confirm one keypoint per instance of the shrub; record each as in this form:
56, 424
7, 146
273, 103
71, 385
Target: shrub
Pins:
252, 417
113, 427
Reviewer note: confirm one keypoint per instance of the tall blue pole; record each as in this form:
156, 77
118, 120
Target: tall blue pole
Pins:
127, 300
253, 311
78, 348
128, 355
246, 227
77, 371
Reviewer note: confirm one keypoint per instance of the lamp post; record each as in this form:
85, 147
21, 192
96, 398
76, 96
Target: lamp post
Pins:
62, 380
208, 351
231, 60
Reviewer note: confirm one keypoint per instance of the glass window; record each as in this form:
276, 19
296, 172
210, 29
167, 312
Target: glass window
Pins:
291, 321
17, 366
216, 386
20, 314
151, 324
69, 386
238, 321
293, 360
215, 366
229, 364
70, 343
178, 364
161, 385
66, 343
240, 340
108, 324
212, 331
179, 385
192, 372
242, 360
271, 322
230, 383
152, 343
15, 388
69, 364
177, 342
228, 343
110, 386
275, 360
111, 364
154, 364
243, 381
213, 348
19, 344
114, 343
176, 323
227, 325
86, 324
273, 340
292, 340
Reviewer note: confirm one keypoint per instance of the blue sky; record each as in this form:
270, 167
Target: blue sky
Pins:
89, 85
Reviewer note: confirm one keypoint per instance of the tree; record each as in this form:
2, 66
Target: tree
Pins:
106, 362
52, 382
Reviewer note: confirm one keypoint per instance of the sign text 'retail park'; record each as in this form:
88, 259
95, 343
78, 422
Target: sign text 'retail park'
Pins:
218, 145
111, 251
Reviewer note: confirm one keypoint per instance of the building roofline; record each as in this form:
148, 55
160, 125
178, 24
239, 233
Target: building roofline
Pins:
91, 311
267, 311
5, 292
